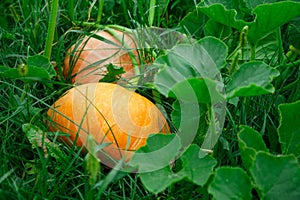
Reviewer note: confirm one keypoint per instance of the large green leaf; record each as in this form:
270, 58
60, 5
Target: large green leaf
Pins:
213, 28
43, 62
268, 17
254, 4
271, 16
180, 69
193, 24
158, 152
197, 169
276, 177
289, 128
202, 59
188, 114
230, 183
159, 180
26, 73
252, 79
193, 94
189, 119
294, 32
267, 47
250, 141
194, 169
223, 15
3, 69
229, 4
38, 68
205, 90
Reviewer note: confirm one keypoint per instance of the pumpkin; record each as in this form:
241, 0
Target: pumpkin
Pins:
86, 60
112, 114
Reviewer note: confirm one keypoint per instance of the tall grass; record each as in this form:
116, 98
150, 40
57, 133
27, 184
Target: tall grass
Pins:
26, 172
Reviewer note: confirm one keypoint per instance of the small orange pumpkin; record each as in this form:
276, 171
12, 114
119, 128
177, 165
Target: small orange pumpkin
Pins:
111, 114
87, 60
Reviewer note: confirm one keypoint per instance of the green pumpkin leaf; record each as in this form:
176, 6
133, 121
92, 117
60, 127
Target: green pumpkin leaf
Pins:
158, 152
188, 116
219, 13
202, 59
213, 28
276, 177
185, 115
252, 79
190, 111
254, 4
268, 17
193, 23
38, 68
158, 180
250, 142
230, 183
271, 16
294, 33
229, 4
177, 78
267, 47
43, 62
113, 74
27, 73
289, 129
195, 168
3, 69
203, 90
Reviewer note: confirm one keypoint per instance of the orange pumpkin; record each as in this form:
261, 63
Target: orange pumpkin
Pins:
111, 114
86, 61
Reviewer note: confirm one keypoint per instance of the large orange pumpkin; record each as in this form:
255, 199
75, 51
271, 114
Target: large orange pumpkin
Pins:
86, 60
111, 114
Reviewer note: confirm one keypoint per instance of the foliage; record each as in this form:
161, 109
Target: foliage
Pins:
230, 91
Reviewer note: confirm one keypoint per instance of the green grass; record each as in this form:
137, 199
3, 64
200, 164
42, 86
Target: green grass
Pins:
25, 171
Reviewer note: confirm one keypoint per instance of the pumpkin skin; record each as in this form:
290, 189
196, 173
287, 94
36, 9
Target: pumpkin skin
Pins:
87, 59
111, 114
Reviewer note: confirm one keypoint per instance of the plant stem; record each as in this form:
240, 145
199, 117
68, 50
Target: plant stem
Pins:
234, 64
71, 8
100, 10
243, 113
212, 134
280, 48
120, 28
51, 29
253, 52
293, 64
89, 24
